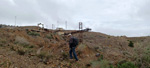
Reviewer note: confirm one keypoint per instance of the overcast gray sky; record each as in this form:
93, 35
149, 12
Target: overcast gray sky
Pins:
113, 17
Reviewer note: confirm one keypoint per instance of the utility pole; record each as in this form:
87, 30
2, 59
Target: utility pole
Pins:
52, 26
66, 25
57, 24
15, 20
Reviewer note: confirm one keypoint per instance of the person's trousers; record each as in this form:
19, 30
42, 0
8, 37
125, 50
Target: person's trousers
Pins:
72, 50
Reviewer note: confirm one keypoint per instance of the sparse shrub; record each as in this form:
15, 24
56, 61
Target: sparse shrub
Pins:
5, 64
3, 41
70, 64
33, 33
12, 48
142, 40
1, 44
126, 65
27, 30
41, 55
21, 52
27, 46
101, 64
96, 49
49, 36
111, 66
20, 40
60, 36
100, 58
30, 46
15, 42
105, 64
88, 65
65, 55
131, 44
79, 52
82, 46
144, 60
78, 65
44, 57
142, 54
23, 42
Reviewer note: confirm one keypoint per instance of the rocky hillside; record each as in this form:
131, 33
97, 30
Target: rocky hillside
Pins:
29, 47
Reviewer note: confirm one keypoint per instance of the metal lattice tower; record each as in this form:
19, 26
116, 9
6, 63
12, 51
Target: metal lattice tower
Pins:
52, 26
81, 34
80, 25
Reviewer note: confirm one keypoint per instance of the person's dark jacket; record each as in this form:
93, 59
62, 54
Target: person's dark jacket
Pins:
73, 42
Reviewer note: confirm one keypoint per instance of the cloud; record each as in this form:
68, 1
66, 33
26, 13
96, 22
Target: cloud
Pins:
114, 17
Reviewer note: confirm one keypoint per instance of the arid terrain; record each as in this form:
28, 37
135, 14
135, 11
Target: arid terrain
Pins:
29, 47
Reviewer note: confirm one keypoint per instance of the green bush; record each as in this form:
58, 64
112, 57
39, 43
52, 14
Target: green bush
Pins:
144, 60
64, 55
27, 46
100, 58
131, 44
105, 64
79, 52
101, 64
12, 48
2, 42
33, 33
42, 55
49, 36
126, 65
142, 54
5, 64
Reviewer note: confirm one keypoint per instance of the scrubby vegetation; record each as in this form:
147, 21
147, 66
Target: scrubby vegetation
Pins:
100, 58
131, 44
33, 33
21, 52
126, 65
30, 48
49, 36
44, 57
142, 54
101, 64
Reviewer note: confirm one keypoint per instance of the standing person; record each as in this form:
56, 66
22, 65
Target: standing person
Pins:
73, 42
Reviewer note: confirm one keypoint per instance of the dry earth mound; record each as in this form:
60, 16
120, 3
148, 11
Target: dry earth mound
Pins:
29, 47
